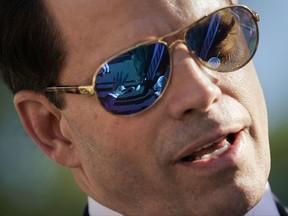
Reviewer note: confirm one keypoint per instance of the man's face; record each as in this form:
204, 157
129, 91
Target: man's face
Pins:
140, 164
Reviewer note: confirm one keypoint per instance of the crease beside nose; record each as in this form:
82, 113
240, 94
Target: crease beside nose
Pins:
193, 88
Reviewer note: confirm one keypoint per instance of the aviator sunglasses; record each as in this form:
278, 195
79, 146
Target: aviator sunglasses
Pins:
133, 80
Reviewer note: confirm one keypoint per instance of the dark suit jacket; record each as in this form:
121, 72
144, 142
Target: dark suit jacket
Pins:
283, 210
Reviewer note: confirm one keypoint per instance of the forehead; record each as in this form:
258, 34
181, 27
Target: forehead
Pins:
94, 30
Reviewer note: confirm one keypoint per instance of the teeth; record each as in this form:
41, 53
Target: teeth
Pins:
215, 153
208, 145
204, 147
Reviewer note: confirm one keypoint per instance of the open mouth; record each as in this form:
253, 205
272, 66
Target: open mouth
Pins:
211, 150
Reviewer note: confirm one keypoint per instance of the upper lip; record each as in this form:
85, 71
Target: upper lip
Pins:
207, 138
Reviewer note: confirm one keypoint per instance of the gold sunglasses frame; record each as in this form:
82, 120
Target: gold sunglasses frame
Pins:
89, 90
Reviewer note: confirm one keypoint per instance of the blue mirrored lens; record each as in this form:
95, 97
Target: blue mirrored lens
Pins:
226, 40
134, 80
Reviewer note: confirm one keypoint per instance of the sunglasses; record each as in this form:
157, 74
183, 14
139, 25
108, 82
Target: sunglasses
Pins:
133, 80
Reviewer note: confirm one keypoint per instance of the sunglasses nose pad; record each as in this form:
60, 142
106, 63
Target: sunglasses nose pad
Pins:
214, 62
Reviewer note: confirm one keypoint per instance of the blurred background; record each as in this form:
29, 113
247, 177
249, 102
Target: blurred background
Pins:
31, 184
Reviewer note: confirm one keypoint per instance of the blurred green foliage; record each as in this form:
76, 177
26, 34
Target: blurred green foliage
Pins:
61, 197
279, 154
31, 184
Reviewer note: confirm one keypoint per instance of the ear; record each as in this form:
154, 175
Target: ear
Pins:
42, 121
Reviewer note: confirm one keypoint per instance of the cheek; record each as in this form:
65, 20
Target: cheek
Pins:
124, 161
246, 89
116, 148
95, 130
252, 98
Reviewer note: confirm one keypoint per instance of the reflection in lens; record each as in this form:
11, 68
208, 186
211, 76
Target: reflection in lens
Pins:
135, 80
225, 40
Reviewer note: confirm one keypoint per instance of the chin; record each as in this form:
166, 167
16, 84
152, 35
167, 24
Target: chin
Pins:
241, 197
234, 199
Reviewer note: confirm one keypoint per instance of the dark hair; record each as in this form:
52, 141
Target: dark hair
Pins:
32, 51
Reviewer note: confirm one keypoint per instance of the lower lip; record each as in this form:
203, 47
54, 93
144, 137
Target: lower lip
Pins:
231, 157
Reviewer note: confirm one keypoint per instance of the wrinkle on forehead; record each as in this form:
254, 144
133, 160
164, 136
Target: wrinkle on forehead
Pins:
73, 16
175, 13
126, 9
188, 11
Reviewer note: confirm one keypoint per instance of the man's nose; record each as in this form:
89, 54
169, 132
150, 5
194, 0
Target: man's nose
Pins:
192, 87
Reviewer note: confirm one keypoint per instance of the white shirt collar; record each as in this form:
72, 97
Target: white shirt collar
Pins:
96, 209
266, 206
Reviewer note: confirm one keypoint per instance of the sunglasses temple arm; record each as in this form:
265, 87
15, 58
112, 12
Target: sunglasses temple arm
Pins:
84, 90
